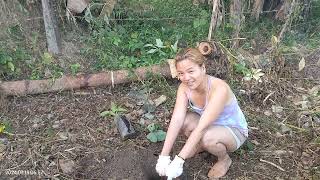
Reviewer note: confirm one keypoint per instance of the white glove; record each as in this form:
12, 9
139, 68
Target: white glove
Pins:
162, 164
175, 168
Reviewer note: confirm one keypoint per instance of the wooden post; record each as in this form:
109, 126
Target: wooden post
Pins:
50, 23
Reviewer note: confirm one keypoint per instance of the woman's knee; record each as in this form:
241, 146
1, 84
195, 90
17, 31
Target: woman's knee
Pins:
209, 142
217, 138
190, 123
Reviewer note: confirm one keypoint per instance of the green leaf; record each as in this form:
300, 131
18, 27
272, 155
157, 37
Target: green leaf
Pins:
151, 51
250, 146
107, 113
113, 107
159, 43
149, 45
161, 135
11, 66
120, 109
152, 137
47, 58
175, 47
152, 127
2, 128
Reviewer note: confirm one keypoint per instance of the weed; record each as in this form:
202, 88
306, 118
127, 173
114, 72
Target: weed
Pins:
75, 68
5, 127
114, 110
50, 132
156, 134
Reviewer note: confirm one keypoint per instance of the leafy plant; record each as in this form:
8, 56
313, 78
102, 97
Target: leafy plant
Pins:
50, 132
114, 110
5, 127
255, 74
156, 134
241, 68
6, 62
75, 68
161, 49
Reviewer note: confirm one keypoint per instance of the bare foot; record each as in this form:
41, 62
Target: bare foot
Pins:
220, 168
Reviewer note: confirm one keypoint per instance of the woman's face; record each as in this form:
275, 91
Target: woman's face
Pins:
190, 73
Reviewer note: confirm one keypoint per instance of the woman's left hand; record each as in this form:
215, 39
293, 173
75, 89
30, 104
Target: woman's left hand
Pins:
175, 168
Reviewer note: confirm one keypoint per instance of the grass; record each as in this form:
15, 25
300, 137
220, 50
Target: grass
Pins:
120, 41
125, 40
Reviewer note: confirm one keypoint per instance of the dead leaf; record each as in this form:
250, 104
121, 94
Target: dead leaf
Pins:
277, 109
302, 103
302, 64
318, 63
67, 166
278, 135
279, 152
314, 91
63, 136
285, 129
267, 113
2, 148
306, 159
255, 142
160, 100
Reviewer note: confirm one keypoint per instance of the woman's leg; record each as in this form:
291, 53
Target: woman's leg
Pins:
218, 140
189, 125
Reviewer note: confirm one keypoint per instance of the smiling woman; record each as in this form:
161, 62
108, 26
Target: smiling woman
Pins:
214, 123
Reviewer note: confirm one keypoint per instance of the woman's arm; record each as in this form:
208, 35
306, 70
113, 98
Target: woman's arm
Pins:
177, 120
217, 101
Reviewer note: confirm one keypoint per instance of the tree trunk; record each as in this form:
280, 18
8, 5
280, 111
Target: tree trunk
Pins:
235, 19
257, 8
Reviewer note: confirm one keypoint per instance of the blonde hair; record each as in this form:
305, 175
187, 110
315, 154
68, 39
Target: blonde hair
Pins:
191, 54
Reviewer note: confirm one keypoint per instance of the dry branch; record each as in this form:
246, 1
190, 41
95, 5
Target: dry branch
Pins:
273, 164
25, 87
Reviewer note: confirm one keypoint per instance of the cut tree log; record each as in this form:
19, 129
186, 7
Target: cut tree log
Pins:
25, 87
50, 23
207, 48
77, 6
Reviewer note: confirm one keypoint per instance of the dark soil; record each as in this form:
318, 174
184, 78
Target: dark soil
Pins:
49, 128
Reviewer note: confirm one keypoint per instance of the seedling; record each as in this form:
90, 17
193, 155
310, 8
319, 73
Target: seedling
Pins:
5, 128
113, 111
156, 134
75, 68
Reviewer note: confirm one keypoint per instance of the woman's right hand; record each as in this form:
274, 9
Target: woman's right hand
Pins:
162, 164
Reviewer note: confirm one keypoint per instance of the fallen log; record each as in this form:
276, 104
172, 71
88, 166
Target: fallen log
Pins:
24, 87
